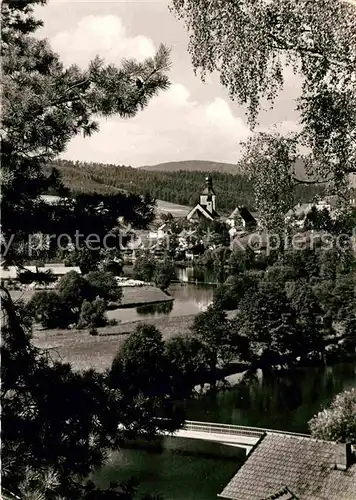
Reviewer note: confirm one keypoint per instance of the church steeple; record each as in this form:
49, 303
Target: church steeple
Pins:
206, 207
208, 185
208, 196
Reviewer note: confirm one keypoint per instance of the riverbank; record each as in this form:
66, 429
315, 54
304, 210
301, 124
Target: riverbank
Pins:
143, 295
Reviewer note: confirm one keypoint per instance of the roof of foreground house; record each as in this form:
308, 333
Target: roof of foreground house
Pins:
287, 467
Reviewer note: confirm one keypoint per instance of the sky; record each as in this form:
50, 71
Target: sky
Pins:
190, 121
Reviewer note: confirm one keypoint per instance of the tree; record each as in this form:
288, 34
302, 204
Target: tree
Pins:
220, 258
53, 419
163, 275
46, 104
269, 162
211, 328
241, 261
350, 332
249, 44
74, 289
145, 266
187, 363
318, 220
281, 273
171, 246
338, 421
224, 297
73, 301
213, 233
84, 258
104, 285
343, 301
309, 318
267, 319
141, 367
92, 314
229, 294
51, 310
112, 262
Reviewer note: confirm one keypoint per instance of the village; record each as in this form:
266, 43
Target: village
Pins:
187, 235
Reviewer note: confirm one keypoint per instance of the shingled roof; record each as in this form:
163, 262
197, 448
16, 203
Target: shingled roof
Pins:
289, 467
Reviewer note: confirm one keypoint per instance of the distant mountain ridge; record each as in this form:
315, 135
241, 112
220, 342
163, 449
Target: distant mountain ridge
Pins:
192, 166
210, 166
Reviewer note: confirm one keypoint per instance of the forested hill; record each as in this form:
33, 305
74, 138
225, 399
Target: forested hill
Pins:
182, 187
193, 166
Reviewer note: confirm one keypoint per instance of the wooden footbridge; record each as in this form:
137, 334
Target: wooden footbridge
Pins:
231, 435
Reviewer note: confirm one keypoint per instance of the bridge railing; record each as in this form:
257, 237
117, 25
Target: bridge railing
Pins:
229, 429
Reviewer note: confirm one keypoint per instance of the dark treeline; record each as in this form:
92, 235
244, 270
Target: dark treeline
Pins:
182, 187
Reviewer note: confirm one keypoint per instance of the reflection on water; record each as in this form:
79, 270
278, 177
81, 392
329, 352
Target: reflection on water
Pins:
201, 275
181, 470
188, 299
278, 400
160, 309
185, 469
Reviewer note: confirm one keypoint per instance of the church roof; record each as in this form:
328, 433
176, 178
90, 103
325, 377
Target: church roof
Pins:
200, 208
208, 190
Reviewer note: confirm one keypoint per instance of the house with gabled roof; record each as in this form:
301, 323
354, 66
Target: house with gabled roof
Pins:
287, 467
242, 219
206, 208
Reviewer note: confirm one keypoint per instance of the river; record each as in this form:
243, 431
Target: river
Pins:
188, 299
192, 470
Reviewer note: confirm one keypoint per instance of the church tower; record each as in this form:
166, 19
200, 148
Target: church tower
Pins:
206, 208
208, 196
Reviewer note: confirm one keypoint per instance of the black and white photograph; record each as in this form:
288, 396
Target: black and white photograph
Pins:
178, 250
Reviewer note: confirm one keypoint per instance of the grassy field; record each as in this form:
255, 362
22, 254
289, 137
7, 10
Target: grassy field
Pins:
84, 351
140, 295
165, 207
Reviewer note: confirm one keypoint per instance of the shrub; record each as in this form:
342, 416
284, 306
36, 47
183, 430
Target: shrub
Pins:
163, 275
104, 285
145, 267
85, 258
74, 289
225, 297
92, 314
50, 310
112, 266
338, 422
